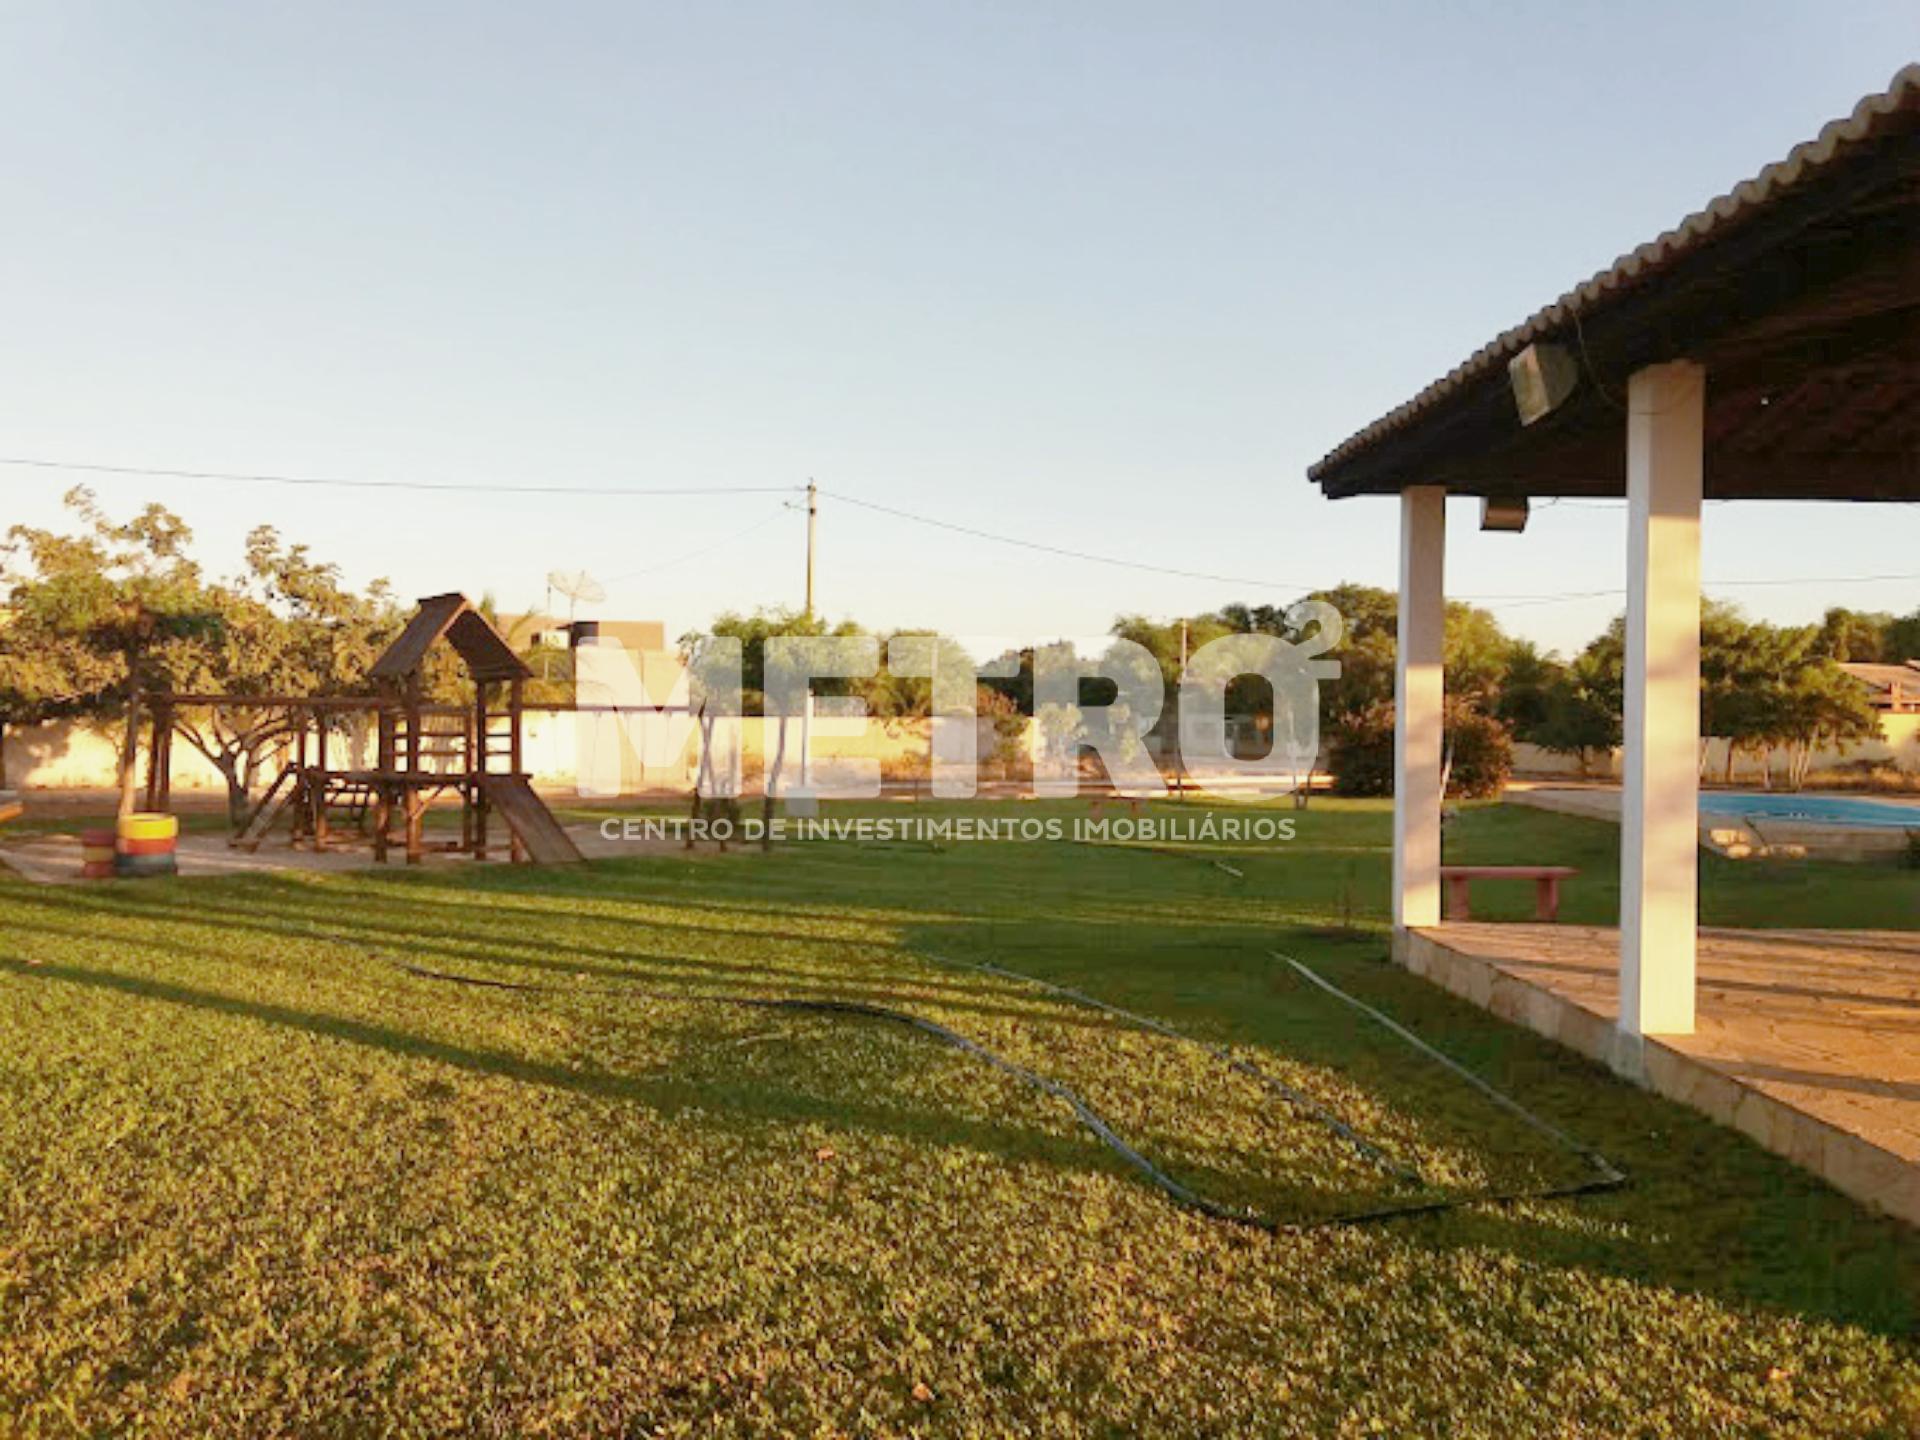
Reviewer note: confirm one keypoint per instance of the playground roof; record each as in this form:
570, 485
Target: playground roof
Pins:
480, 647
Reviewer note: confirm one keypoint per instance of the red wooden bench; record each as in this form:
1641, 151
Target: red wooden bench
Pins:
1546, 880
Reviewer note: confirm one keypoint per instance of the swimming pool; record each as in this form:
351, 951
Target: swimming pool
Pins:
1813, 810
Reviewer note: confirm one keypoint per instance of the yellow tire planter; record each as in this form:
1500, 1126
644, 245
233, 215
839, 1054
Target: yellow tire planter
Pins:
145, 825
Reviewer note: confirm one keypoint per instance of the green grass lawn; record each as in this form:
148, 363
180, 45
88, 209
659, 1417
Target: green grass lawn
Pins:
1880, 894
255, 1179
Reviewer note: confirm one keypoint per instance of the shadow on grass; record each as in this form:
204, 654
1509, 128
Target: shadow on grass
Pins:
746, 1107
628, 964
1708, 1211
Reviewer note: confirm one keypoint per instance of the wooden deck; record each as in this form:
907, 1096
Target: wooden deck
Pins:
1807, 1040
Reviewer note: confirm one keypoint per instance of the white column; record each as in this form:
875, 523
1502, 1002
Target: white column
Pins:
1659, 832
1418, 695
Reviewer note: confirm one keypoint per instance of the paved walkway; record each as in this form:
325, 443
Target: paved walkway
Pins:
55, 859
1807, 1040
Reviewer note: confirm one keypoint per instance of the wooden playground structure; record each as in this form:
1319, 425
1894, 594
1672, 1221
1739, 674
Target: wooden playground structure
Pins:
423, 752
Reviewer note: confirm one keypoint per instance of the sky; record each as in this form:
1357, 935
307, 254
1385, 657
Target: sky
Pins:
1102, 276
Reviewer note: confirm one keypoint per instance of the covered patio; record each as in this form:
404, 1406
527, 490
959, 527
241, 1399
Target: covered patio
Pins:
1807, 1040
1765, 348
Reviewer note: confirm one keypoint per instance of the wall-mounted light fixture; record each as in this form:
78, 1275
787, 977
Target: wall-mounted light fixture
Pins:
1504, 512
1542, 376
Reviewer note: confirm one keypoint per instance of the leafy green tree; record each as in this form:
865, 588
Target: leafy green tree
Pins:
1855, 635
285, 626
1525, 687
1900, 641
1771, 688
45, 677
115, 611
1579, 705
892, 695
1161, 639
754, 630
1822, 707
91, 610
1370, 617
1476, 654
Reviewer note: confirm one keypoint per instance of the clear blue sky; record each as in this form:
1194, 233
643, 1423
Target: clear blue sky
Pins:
1105, 274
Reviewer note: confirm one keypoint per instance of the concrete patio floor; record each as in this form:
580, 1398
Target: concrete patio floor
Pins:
1807, 1040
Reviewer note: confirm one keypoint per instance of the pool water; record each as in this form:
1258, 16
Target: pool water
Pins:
1813, 810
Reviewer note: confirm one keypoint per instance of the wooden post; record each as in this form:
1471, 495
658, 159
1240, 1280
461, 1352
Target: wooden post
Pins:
477, 788
515, 704
383, 783
320, 777
469, 785
412, 797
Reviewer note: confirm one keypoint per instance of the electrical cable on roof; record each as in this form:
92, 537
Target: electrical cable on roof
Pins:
1580, 335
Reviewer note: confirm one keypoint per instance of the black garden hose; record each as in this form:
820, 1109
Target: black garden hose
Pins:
1606, 1176
1093, 1121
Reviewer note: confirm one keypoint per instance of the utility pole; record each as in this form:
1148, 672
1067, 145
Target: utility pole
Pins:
813, 530
806, 713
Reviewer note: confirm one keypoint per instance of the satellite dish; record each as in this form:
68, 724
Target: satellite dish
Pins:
577, 586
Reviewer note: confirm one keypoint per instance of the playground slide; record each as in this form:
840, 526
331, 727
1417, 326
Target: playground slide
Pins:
532, 823
267, 811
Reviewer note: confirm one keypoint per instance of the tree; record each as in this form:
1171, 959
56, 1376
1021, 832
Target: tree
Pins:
91, 610
1767, 688
1475, 654
115, 611
895, 695
44, 677
1900, 641
1478, 748
754, 630
1855, 635
1162, 640
1821, 707
1366, 653
1526, 688
1579, 712
286, 626
1009, 729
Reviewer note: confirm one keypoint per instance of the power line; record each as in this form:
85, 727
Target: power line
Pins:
1513, 601
1062, 550
721, 544
337, 482
1504, 600
1041, 547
